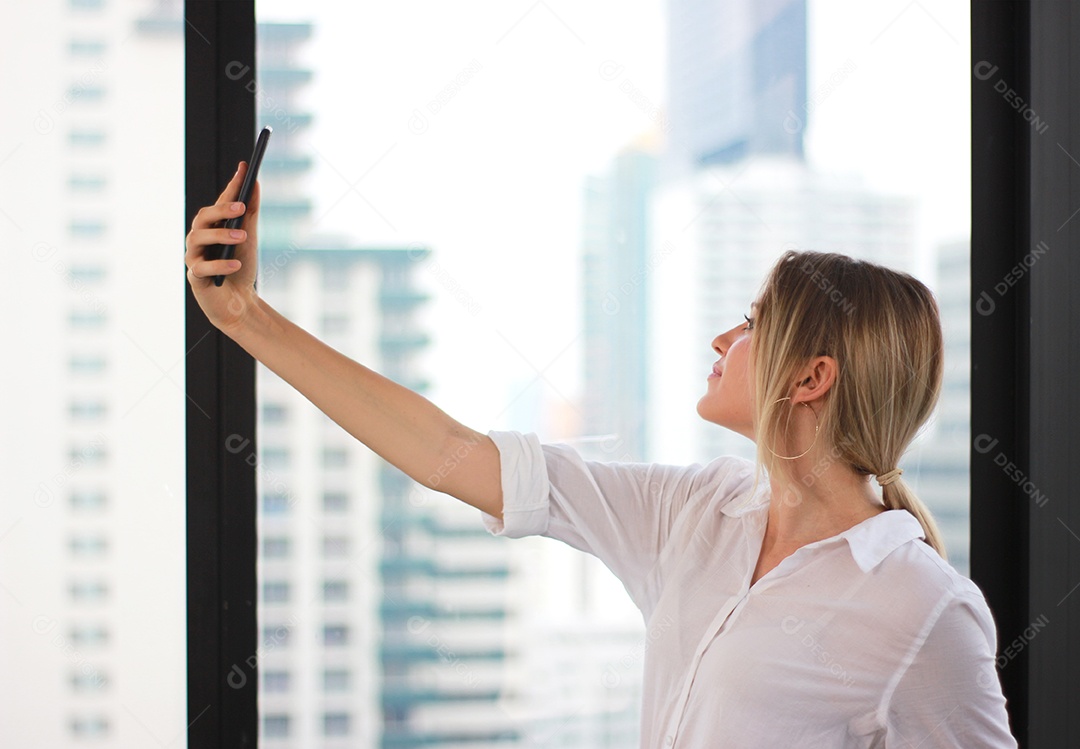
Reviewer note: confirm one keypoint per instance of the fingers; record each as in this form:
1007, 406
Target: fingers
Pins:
206, 227
212, 214
211, 268
199, 239
219, 236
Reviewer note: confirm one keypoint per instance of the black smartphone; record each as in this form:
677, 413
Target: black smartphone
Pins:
226, 251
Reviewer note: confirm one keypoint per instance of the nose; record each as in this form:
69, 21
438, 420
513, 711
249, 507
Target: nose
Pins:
723, 341
719, 345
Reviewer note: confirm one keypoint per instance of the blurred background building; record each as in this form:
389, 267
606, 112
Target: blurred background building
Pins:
383, 615
676, 246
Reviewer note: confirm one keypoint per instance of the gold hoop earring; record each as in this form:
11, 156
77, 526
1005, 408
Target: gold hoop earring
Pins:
816, 425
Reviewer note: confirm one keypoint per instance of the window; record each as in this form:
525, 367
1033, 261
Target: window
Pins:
87, 637
87, 183
276, 503
80, 93
276, 636
84, 500
89, 727
276, 681
84, 274
335, 590
87, 319
87, 410
274, 413
89, 546
276, 591
88, 591
87, 229
87, 364
92, 453
276, 547
86, 47
276, 726
336, 724
87, 138
336, 680
334, 502
275, 458
89, 680
335, 635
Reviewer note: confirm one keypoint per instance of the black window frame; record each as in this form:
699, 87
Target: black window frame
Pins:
1025, 556
1025, 553
222, 688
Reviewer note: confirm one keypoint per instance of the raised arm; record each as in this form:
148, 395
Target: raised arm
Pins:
401, 426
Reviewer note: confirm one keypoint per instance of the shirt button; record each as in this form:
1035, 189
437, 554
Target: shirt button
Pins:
669, 741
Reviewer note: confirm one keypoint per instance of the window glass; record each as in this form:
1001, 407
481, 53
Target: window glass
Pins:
539, 217
92, 523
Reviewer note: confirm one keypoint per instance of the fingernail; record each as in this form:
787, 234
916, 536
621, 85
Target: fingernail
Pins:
236, 206
233, 264
236, 234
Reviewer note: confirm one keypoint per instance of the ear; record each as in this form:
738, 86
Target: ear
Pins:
814, 380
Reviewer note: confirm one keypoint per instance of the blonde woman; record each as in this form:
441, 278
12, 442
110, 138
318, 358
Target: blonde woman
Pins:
813, 609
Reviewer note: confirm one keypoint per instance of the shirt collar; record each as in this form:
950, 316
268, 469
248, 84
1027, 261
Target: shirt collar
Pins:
875, 538
870, 541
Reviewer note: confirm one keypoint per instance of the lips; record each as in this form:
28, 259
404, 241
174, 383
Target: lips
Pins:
716, 370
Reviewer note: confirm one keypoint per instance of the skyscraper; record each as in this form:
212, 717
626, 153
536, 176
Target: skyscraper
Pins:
944, 447
726, 226
615, 304
382, 605
91, 205
736, 71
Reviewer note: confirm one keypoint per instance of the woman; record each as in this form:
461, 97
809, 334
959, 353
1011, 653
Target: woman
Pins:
805, 611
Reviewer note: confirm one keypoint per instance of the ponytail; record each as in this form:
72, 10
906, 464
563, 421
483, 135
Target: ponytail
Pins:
898, 496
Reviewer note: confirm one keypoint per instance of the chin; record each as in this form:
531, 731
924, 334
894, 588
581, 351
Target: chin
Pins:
726, 421
711, 417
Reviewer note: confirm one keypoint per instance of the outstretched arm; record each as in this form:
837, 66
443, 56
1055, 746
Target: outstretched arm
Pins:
398, 424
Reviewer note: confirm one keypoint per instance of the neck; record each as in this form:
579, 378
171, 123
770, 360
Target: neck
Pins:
818, 507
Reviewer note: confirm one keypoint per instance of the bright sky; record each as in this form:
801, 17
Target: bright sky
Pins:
492, 180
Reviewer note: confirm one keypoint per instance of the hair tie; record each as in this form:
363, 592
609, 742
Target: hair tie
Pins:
885, 479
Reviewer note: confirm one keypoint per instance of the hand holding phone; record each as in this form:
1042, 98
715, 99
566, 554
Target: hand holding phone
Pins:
226, 251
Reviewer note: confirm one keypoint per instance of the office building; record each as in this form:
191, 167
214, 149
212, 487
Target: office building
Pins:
736, 73
719, 232
616, 278
382, 605
941, 476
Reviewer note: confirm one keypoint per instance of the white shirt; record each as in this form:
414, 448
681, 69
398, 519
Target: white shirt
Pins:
864, 639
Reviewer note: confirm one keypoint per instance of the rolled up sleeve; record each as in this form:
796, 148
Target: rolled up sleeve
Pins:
524, 487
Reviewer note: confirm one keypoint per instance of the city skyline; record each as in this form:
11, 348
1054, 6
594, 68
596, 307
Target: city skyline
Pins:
591, 87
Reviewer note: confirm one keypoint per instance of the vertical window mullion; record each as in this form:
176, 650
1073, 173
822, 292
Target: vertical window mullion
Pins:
220, 416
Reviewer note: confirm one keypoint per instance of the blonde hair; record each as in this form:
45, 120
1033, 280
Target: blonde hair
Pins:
883, 328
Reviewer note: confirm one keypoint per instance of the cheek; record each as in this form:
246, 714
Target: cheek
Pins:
739, 359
